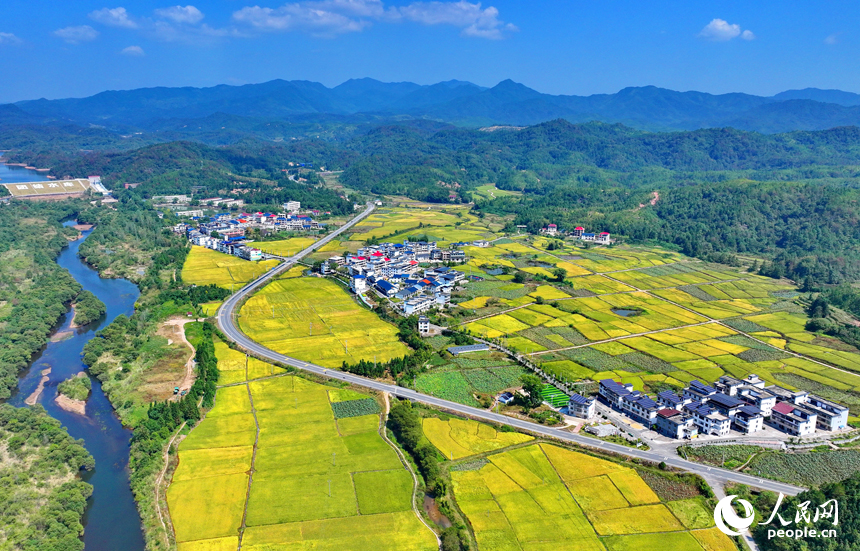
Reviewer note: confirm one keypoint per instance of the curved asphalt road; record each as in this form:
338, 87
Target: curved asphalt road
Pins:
227, 323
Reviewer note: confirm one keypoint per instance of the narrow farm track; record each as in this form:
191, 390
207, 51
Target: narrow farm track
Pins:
227, 322
251, 471
159, 480
408, 467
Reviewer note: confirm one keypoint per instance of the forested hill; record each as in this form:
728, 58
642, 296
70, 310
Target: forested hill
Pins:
154, 110
792, 198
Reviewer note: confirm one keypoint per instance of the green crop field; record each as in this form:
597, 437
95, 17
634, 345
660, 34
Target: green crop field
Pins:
541, 497
207, 267
318, 481
316, 320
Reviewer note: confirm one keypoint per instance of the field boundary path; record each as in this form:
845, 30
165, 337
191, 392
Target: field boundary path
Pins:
382, 433
159, 481
227, 322
251, 470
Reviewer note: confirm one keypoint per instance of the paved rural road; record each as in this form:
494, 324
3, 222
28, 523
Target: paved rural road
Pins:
227, 323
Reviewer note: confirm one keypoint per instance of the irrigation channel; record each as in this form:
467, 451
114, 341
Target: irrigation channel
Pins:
111, 521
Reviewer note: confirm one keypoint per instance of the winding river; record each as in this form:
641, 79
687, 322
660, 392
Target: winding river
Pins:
112, 521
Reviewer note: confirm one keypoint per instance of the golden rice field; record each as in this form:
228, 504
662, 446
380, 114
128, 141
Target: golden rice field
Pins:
459, 438
659, 319
207, 267
319, 482
316, 320
285, 247
236, 367
543, 497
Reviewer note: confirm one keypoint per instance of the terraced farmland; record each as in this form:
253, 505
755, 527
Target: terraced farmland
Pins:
319, 482
652, 316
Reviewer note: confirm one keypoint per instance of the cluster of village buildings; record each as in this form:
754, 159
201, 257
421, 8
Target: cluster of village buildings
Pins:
579, 232
729, 404
225, 232
393, 270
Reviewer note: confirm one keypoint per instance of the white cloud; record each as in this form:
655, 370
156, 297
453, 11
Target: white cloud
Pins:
9, 38
720, 30
135, 51
475, 21
181, 14
832, 39
332, 17
298, 17
113, 17
76, 35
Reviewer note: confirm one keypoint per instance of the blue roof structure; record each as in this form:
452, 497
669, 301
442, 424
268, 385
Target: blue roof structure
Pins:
577, 399
669, 396
725, 400
456, 350
751, 410
385, 286
615, 387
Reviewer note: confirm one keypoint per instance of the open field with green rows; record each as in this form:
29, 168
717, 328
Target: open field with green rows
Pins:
285, 247
207, 267
319, 482
316, 320
459, 379
541, 497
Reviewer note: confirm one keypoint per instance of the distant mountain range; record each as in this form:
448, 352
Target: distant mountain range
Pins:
362, 101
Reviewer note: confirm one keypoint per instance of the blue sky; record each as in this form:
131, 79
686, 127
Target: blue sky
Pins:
77, 48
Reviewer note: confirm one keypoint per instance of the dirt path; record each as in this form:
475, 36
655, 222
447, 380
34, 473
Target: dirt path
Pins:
251, 471
159, 480
188, 379
406, 464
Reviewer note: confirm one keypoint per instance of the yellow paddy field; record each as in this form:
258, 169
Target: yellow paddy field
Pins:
320, 482
207, 267
316, 320
545, 497
285, 247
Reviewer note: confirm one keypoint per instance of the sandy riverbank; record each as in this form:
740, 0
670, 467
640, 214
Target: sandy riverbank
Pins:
31, 400
75, 406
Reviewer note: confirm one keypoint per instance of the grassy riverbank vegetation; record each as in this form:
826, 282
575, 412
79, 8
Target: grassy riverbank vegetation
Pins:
76, 387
